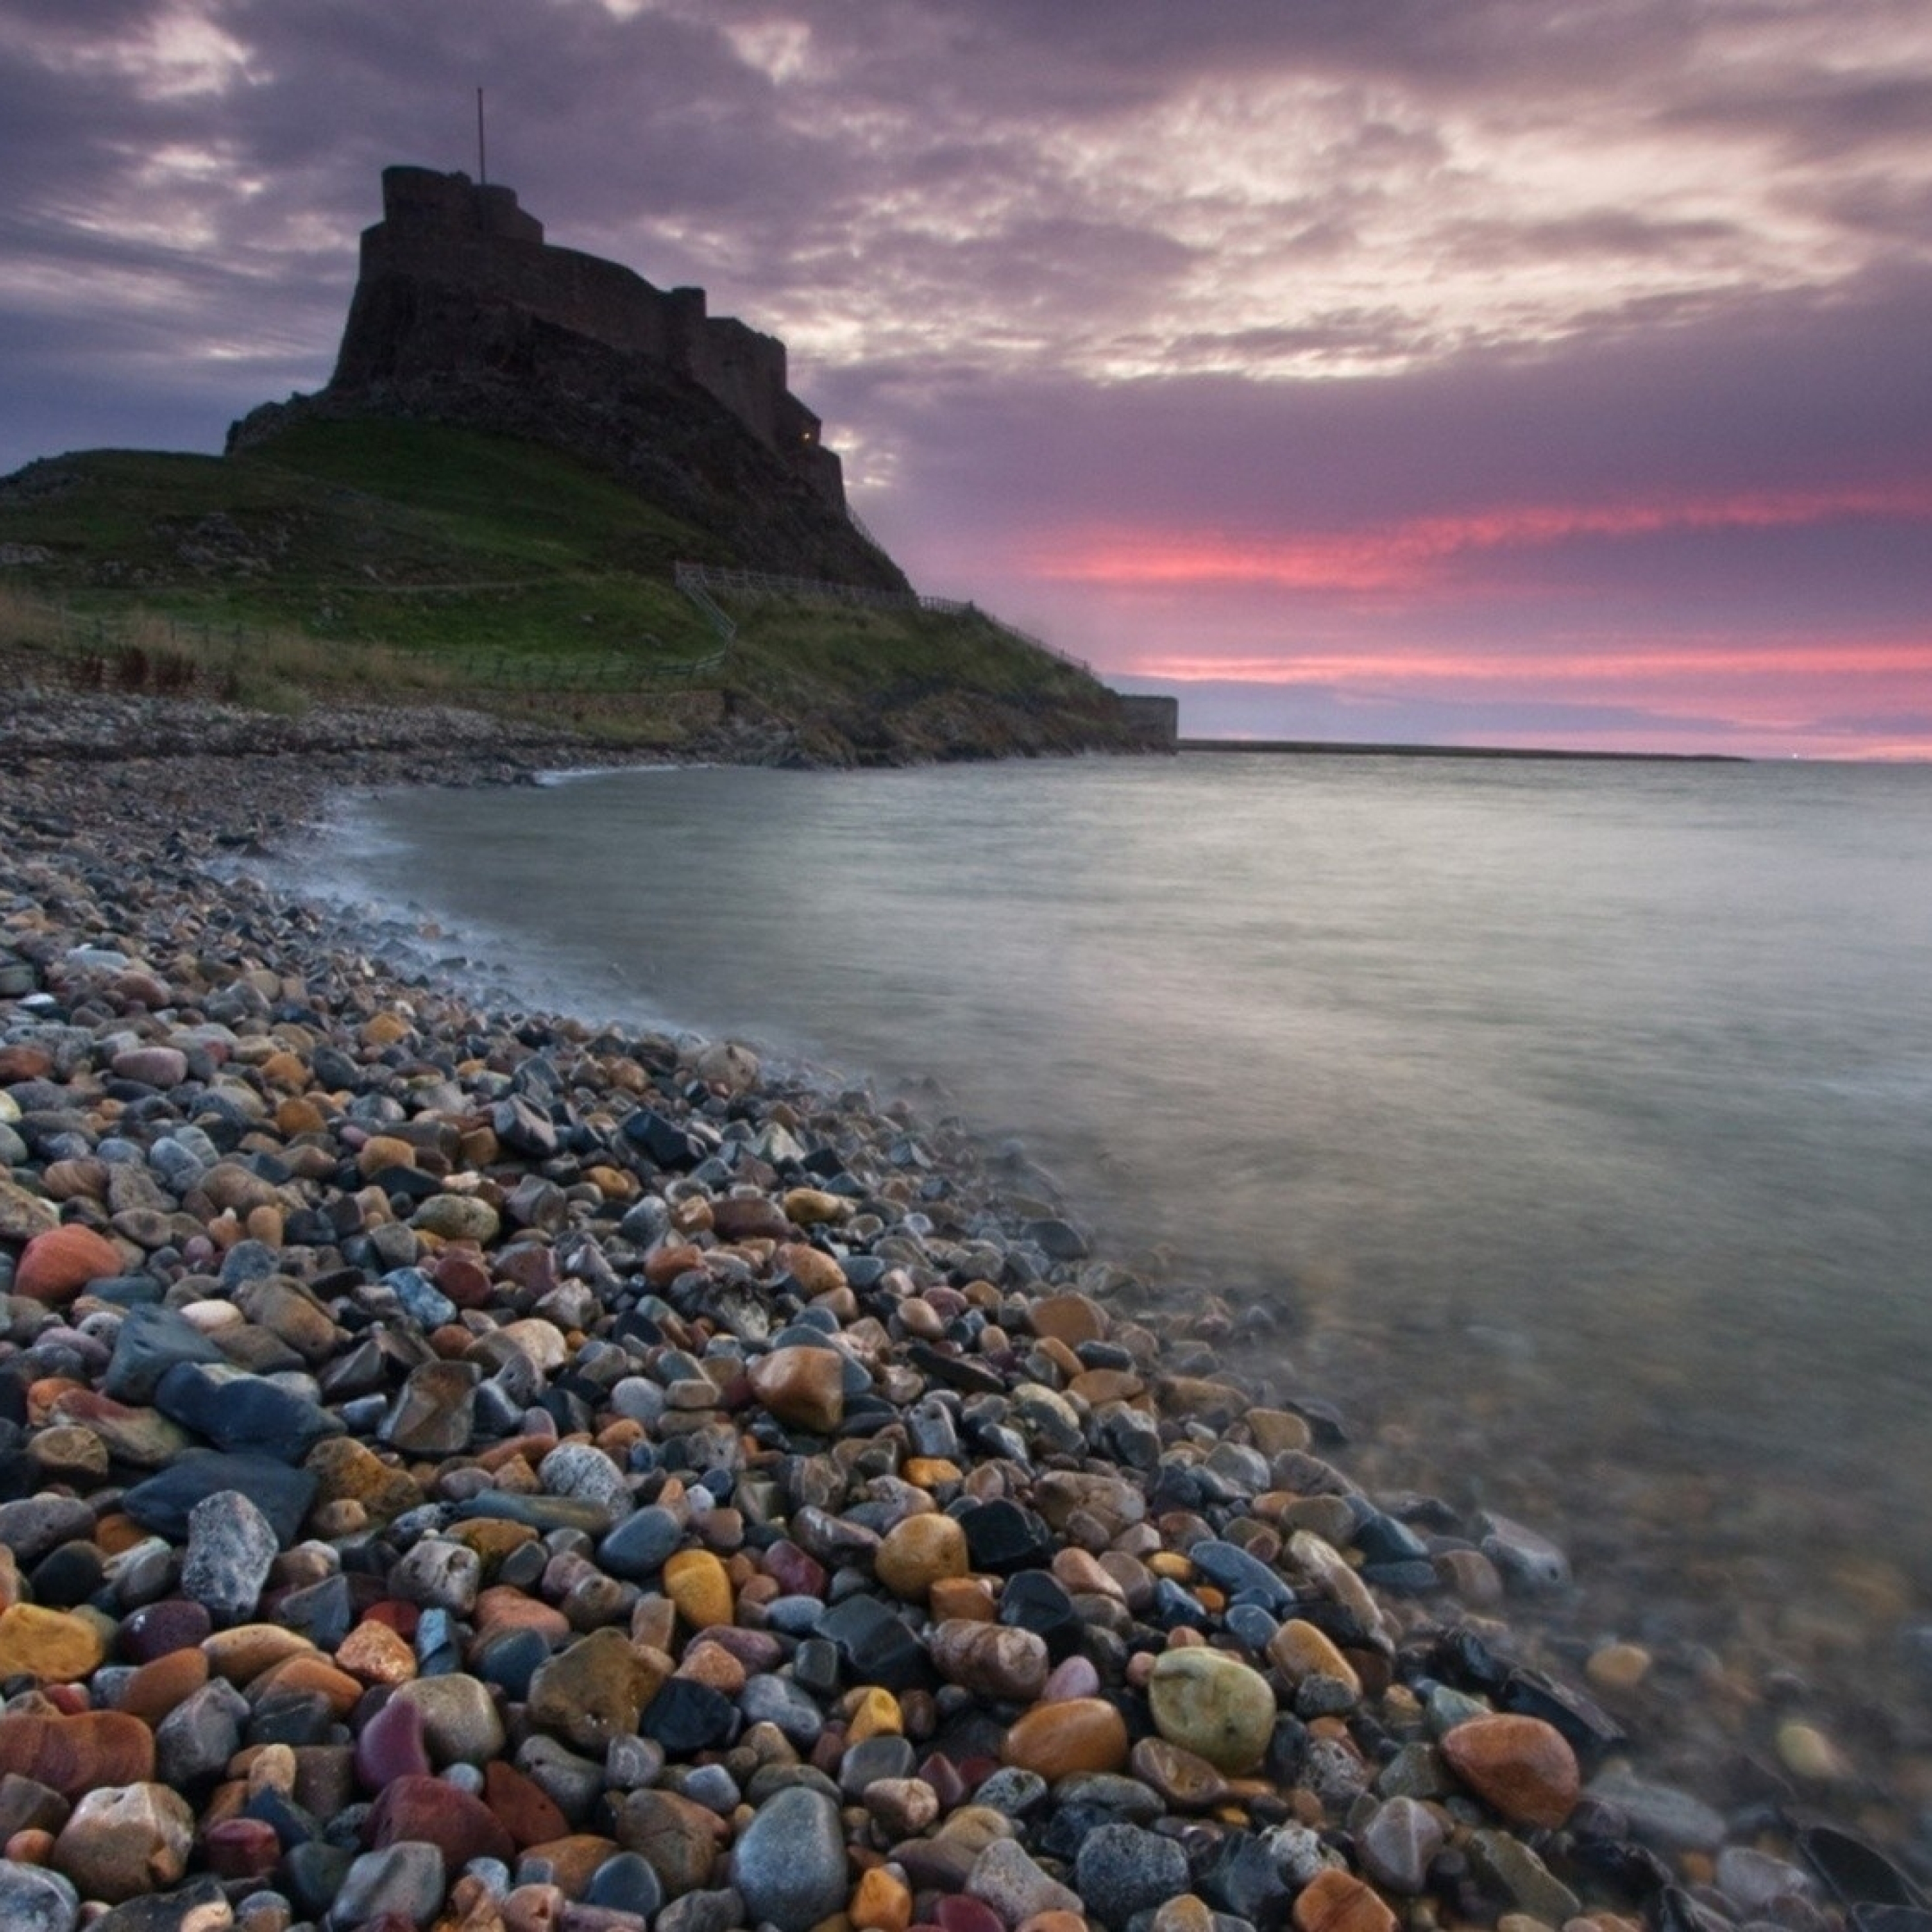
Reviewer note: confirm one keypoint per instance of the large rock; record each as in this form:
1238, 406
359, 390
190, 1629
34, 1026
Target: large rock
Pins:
164, 1502
804, 1387
57, 1265
231, 1547
126, 1839
34, 1901
1121, 1870
1521, 1767
55, 1646
1077, 1734
243, 1414
1213, 1705
75, 1754
789, 1864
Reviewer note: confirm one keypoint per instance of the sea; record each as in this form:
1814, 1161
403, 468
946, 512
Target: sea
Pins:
1569, 1124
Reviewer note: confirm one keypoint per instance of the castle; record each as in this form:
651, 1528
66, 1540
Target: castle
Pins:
447, 233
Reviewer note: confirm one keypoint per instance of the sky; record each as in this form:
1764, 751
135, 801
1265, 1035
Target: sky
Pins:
1517, 372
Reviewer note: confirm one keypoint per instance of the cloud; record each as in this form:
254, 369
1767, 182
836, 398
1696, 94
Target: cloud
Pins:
1526, 325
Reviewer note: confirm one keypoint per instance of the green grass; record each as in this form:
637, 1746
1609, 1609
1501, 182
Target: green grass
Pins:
394, 558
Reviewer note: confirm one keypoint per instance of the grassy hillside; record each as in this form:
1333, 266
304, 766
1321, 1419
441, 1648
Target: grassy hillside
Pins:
386, 558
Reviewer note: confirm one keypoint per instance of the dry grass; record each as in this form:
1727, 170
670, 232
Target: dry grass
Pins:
141, 650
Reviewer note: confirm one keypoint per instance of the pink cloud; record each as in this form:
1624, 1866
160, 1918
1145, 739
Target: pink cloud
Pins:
1411, 554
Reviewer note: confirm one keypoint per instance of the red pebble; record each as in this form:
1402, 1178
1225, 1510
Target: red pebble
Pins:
959, 1913
797, 1574
400, 1617
521, 1805
241, 1848
460, 1826
391, 1745
943, 1774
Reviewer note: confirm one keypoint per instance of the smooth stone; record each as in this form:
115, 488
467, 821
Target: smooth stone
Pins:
788, 1865
922, 1550
991, 1659
640, 1545
461, 1827
1521, 1767
1661, 1816
781, 1701
876, 1758
1298, 1650
696, 1582
1213, 1705
34, 1525
803, 1387
1185, 1780
458, 1217
32, 1900
55, 1266
76, 1753
1396, 1845
1236, 1571
461, 1724
54, 1645
391, 1745
1337, 1901
1122, 1869
626, 1882
1058, 1740
405, 1881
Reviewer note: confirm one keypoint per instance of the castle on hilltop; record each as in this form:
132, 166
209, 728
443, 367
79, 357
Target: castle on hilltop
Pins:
447, 234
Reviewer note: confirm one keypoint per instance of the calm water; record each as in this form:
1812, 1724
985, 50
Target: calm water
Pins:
1577, 1119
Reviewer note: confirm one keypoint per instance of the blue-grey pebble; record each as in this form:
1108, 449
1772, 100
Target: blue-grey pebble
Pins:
789, 1863
34, 1900
405, 1878
1122, 1869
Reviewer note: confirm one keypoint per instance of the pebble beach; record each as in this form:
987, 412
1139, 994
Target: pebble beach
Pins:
486, 1470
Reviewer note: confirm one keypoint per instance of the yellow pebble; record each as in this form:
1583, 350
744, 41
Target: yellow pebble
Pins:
696, 1582
1170, 1564
930, 1472
881, 1902
1618, 1666
876, 1714
1807, 1752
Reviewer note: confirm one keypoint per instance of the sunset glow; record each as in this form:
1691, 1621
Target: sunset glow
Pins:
1409, 555
1333, 368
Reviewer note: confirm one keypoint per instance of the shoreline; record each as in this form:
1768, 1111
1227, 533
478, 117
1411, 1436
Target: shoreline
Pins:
624, 1263
1324, 748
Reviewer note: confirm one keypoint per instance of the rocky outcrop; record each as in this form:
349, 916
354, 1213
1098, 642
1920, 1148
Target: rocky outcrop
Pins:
450, 356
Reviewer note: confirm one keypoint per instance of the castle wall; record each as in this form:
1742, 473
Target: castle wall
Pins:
1154, 720
443, 228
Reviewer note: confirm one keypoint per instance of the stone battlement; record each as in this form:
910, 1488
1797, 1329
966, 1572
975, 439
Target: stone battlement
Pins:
444, 231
